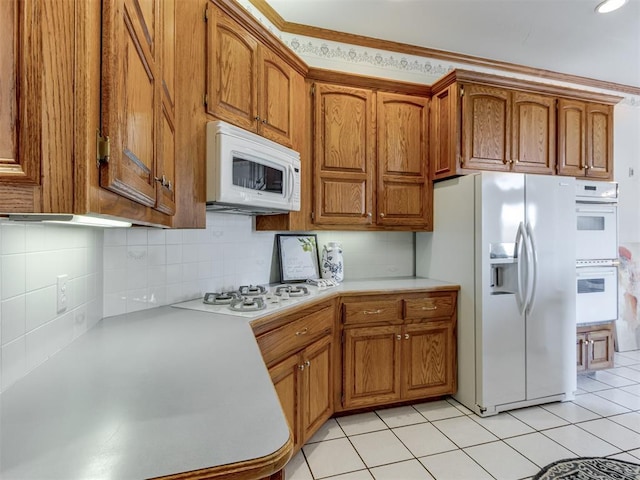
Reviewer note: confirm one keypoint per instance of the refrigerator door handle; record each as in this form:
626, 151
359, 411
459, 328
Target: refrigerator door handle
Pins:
521, 261
532, 270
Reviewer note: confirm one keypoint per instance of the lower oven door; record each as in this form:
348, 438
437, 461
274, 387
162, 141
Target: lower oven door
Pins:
597, 294
597, 231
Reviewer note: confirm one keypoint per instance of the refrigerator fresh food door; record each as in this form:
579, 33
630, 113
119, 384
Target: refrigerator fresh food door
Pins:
500, 327
550, 322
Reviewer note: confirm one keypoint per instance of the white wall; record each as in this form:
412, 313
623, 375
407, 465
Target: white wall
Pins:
31, 257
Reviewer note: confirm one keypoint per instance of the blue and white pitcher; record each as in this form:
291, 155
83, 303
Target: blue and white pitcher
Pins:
332, 264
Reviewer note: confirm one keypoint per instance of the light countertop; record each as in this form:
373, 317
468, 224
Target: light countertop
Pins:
151, 393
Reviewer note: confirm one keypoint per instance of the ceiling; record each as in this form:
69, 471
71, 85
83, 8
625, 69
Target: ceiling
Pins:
564, 36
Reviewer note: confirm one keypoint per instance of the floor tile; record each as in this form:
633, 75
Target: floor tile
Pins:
632, 354
580, 442
634, 389
604, 376
328, 431
625, 457
502, 461
630, 420
438, 410
503, 425
538, 418
424, 439
361, 423
380, 448
626, 372
358, 475
611, 432
635, 453
539, 449
408, 470
459, 406
590, 385
464, 432
570, 411
297, 468
599, 405
626, 399
400, 416
455, 465
332, 457
621, 360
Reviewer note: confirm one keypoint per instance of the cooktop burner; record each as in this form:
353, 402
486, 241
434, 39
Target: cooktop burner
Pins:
292, 290
248, 304
252, 290
220, 298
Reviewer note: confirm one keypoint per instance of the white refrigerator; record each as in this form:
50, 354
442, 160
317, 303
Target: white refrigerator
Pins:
508, 240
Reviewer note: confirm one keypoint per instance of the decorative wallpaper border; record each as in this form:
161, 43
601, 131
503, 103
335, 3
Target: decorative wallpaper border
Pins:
323, 53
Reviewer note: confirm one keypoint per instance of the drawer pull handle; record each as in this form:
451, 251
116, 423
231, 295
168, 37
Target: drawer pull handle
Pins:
430, 308
303, 331
372, 312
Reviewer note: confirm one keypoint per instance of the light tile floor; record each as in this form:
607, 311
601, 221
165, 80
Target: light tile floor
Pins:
443, 440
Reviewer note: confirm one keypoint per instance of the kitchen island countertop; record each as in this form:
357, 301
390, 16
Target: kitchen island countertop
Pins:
151, 393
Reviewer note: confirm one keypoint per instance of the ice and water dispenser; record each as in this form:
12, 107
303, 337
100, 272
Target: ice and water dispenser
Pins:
503, 268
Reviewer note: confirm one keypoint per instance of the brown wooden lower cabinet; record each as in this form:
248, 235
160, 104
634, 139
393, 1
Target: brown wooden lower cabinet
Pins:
594, 347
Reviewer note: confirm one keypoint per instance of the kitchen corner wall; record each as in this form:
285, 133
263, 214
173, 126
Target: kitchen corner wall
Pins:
146, 268
115, 271
31, 258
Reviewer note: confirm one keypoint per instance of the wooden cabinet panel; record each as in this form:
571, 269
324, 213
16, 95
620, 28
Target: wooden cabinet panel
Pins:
404, 192
344, 148
318, 385
371, 311
443, 155
232, 75
581, 352
276, 98
571, 137
594, 347
486, 120
285, 381
427, 366
371, 359
533, 145
436, 305
600, 141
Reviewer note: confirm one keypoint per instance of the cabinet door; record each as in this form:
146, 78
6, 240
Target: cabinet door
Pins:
443, 151
581, 351
428, 363
571, 137
344, 138
284, 376
486, 121
166, 168
371, 363
599, 141
600, 349
533, 128
130, 94
232, 76
317, 390
275, 97
404, 190
19, 162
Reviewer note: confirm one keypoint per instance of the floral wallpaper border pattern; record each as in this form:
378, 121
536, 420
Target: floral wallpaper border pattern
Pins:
307, 47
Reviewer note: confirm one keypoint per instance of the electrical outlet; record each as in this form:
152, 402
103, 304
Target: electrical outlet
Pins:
62, 292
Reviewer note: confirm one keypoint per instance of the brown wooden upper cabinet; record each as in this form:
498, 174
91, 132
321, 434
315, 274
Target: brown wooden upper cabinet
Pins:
370, 159
105, 67
585, 139
486, 122
248, 84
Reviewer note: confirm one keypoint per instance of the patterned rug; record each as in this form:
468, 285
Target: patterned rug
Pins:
596, 468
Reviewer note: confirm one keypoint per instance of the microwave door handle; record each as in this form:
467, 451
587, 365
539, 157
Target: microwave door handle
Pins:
533, 268
290, 188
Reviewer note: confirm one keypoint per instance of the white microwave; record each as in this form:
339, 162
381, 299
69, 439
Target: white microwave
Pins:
249, 174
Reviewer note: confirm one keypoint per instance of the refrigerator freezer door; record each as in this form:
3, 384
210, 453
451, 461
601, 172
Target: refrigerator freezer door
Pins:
550, 324
499, 327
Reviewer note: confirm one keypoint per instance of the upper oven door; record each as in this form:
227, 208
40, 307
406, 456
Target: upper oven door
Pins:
597, 236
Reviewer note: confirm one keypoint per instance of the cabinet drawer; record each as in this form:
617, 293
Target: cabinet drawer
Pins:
432, 306
295, 335
371, 312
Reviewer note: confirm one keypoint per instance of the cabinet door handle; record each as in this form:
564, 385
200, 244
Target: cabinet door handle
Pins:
398, 337
372, 312
406, 336
592, 342
307, 364
301, 366
430, 308
382, 215
369, 214
257, 117
303, 331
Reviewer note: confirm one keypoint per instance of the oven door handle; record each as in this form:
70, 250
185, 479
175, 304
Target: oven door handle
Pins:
596, 273
532, 267
596, 210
